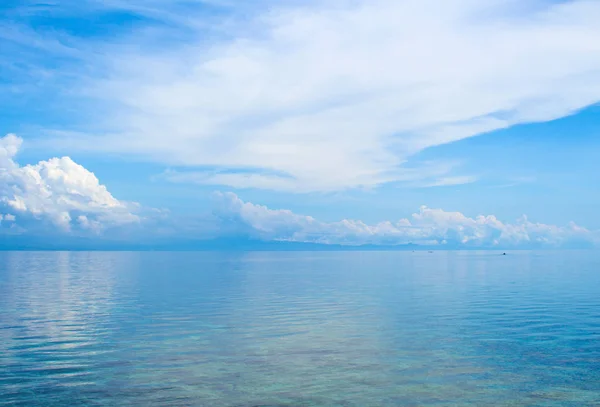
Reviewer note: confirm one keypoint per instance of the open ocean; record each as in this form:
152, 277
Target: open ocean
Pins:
300, 329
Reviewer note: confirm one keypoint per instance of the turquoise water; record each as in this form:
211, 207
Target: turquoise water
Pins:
300, 329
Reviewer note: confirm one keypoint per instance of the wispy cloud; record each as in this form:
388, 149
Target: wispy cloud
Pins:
450, 181
329, 95
514, 181
424, 175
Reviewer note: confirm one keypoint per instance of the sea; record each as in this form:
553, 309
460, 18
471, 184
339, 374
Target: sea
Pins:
472, 328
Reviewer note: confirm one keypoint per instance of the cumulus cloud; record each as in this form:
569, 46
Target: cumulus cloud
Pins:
58, 191
8, 218
320, 96
426, 227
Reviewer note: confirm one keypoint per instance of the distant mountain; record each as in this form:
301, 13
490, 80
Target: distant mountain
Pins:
18, 242
71, 243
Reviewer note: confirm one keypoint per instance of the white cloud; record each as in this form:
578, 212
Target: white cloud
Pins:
325, 96
428, 226
69, 197
426, 175
57, 190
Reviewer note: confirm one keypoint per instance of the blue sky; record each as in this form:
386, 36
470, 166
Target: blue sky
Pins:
355, 122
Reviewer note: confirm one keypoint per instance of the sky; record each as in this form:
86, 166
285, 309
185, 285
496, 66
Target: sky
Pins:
455, 124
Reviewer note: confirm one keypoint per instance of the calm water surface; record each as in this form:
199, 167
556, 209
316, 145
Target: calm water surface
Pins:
300, 329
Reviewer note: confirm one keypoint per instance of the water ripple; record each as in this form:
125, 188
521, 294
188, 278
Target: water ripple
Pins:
300, 329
